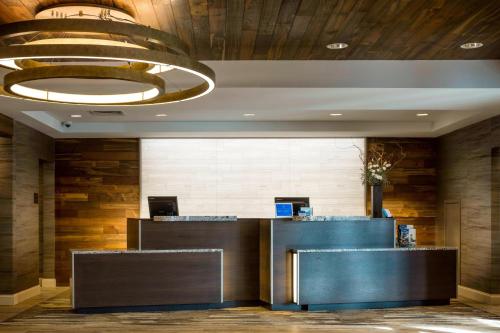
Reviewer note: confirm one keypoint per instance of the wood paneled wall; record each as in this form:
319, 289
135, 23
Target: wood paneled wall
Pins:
6, 126
47, 226
6, 198
495, 215
97, 189
21, 264
411, 195
467, 169
30, 147
6, 179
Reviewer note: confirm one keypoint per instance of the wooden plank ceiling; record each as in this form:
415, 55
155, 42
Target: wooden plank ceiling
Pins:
295, 29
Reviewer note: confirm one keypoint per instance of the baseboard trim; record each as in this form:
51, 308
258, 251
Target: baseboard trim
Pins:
47, 283
478, 296
13, 299
169, 307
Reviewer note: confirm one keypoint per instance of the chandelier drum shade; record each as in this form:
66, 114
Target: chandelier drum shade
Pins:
100, 36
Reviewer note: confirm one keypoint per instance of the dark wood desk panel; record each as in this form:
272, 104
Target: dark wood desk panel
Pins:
133, 234
148, 278
285, 235
370, 275
239, 240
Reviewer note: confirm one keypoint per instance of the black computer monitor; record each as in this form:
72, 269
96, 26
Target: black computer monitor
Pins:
163, 206
297, 202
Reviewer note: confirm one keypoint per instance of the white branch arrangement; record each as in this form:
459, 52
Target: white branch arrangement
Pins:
378, 164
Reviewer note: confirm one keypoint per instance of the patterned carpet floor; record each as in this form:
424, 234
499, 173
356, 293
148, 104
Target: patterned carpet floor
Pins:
55, 315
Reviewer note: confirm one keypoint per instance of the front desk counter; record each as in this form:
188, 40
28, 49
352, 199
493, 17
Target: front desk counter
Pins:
278, 237
366, 278
239, 238
257, 264
151, 278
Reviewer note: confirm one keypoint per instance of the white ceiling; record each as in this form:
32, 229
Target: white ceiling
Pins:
294, 98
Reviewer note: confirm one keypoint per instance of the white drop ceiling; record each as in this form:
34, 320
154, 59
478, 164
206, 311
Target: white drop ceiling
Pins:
293, 99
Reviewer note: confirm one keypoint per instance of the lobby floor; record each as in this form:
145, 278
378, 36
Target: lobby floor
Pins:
50, 312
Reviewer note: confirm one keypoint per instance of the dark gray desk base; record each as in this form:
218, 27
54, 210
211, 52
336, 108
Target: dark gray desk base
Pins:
368, 278
171, 307
351, 306
278, 237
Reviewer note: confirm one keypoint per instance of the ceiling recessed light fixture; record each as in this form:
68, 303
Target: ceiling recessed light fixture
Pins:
161, 115
337, 46
249, 114
422, 114
335, 114
76, 116
106, 113
469, 46
62, 40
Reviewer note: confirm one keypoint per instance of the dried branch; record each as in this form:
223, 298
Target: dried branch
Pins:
378, 163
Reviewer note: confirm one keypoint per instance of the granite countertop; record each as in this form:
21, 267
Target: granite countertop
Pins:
329, 218
231, 218
144, 251
195, 218
423, 248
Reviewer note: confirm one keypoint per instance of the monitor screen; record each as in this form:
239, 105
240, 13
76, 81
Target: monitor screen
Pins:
284, 209
297, 202
163, 206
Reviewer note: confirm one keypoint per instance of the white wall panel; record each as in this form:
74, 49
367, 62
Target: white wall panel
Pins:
242, 176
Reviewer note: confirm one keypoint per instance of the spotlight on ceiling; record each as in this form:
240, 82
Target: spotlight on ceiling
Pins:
337, 46
469, 46
249, 114
422, 114
76, 116
335, 114
161, 115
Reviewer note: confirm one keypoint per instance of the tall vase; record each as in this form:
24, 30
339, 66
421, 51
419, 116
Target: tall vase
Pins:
377, 197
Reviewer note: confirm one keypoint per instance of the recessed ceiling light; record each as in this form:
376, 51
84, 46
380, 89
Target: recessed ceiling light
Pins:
474, 45
337, 46
161, 115
422, 114
249, 114
335, 114
76, 116
106, 113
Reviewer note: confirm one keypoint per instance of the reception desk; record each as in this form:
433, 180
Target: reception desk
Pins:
278, 237
154, 278
239, 238
365, 278
324, 263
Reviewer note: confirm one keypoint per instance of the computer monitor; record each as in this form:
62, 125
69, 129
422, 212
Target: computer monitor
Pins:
284, 209
163, 206
296, 202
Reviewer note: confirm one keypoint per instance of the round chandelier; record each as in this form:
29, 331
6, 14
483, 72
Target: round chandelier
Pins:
96, 42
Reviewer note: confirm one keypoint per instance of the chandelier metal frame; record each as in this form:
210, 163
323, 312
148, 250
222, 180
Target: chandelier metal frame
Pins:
149, 52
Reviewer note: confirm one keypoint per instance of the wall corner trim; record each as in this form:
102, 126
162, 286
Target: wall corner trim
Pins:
47, 283
13, 299
478, 296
